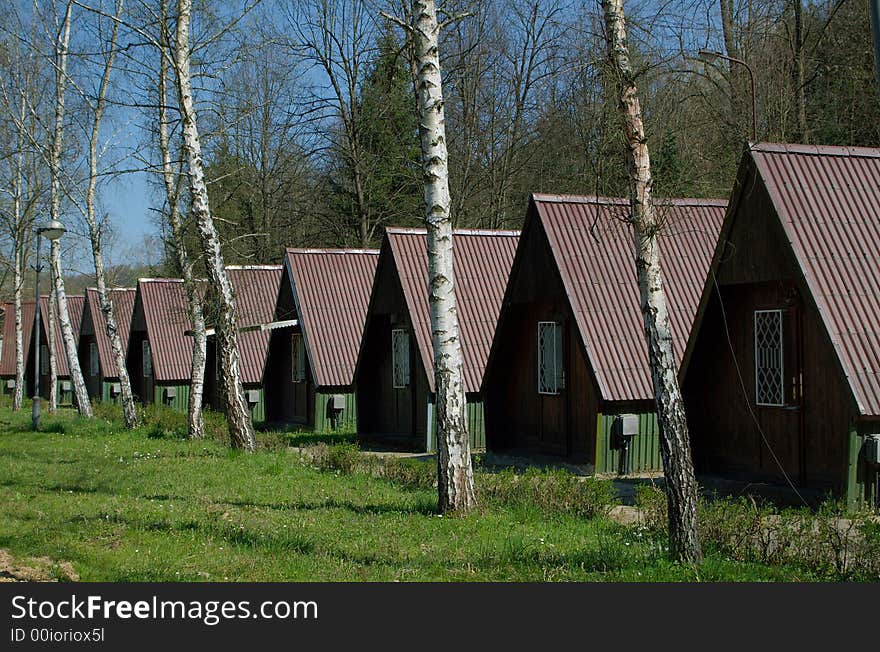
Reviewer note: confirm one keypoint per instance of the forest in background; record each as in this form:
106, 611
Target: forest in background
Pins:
310, 122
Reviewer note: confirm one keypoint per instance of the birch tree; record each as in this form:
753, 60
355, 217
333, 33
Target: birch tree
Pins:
241, 429
681, 486
117, 348
61, 48
196, 425
455, 478
52, 344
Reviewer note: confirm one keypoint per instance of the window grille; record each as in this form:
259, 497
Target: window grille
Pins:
399, 358
147, 359
769, 379
551, 376
297, 357
44, 360
94, 366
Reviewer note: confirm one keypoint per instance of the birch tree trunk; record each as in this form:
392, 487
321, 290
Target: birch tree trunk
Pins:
70, 344
18, 397
129, 410
50, 339
681, 486
196, 424
455, 480
241, 429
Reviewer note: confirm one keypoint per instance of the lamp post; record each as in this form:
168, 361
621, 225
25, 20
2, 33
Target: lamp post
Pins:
52, 230
707, 56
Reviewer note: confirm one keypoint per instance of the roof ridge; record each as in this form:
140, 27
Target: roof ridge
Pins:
246, 268
600, 200
815, 150
329, 250
160, 280
400, 230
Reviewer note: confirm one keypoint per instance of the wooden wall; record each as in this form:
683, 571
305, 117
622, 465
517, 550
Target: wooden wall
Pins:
517, 416
287, 401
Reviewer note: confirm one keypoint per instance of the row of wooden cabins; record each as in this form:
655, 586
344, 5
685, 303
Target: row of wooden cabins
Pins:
773, 298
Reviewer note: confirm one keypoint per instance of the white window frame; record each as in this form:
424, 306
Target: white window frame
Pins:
552, 381
146, 359
94, 361
297, 358
400, 376
758, 353
45, 368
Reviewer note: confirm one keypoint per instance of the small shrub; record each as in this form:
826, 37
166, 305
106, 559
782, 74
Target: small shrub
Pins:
107, 411
651, 503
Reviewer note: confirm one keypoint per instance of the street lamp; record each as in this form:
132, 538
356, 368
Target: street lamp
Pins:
707, 56
53, 230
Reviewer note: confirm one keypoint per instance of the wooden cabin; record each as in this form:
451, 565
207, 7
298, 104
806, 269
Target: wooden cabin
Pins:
256, 291
782, 372
96, 358
314, 340
568, 374
64, 387
7, 356
395, 369
159, 356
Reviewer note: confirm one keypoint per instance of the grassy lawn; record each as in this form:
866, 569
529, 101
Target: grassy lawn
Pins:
143, 506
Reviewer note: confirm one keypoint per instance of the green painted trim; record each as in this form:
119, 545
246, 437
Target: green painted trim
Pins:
645, 447
179, 402
476, 422
347, 420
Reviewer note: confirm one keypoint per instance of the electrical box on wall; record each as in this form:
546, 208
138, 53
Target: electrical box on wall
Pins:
338, 402
253, 396
65, 386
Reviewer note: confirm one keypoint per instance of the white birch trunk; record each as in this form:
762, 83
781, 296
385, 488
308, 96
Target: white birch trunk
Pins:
50, 340
18, 397
455, 473
241, 429
681, 486
196, 423
70, 344
129, 410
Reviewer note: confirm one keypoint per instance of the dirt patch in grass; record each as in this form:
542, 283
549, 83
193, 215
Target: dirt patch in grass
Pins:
35, 569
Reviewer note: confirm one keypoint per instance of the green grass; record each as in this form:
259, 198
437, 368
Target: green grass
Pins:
125, 506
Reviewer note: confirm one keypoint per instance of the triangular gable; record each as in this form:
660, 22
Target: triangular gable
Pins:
331, 293
592, 247
827, 201
7, 361
161, 308
123, 306
256, 290
482, 265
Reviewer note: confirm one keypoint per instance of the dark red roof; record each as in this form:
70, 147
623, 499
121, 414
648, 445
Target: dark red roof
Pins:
828, 202
166, 313
256, 291
592, 246
123, 306
332, 292
482, 265
7, 361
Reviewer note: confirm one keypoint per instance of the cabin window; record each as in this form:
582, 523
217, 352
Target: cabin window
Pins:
44, 360
769, 347
399, 358
147, 361
94, 367
297, 358
551, 376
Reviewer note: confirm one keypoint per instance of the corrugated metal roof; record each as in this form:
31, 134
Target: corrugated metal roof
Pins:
828, 202
593, 248
7, 361
123, 306
166, 313
332, 291
256, 291
482, 265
